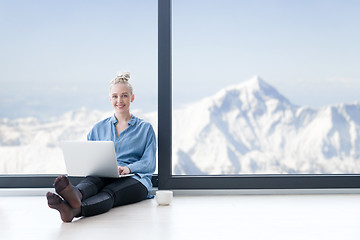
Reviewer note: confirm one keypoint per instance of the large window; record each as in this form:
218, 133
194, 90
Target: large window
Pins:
265, 87
57, 58
263, 94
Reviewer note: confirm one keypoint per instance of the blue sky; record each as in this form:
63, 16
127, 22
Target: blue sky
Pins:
308, 50
60, 55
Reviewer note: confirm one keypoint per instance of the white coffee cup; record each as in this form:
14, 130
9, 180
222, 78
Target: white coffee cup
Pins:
164, 197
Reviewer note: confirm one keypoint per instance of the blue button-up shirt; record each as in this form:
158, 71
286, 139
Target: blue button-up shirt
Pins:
135, 147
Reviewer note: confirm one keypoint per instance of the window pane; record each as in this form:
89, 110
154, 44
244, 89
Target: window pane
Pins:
266, 87
57, 58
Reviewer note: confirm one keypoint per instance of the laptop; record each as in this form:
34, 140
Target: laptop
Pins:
91, 158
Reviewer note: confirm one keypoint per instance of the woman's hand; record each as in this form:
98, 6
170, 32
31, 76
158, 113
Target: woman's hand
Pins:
123, 170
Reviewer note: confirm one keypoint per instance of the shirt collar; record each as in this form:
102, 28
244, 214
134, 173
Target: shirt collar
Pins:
131, 122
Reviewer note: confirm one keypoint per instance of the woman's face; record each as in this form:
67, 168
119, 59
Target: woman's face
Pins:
121, 97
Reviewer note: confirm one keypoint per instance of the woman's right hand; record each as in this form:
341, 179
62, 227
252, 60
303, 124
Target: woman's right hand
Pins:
123, 170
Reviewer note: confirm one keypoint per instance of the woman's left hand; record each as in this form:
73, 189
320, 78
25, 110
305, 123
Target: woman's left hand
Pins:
123, 170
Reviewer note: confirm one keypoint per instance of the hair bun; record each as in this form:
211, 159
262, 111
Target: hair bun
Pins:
125, 76
121, 78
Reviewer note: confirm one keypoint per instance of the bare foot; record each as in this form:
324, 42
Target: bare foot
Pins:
67, 191
55, 202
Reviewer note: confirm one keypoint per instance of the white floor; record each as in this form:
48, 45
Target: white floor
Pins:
277, 217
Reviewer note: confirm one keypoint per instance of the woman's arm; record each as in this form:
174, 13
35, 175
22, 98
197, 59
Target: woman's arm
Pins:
147, 163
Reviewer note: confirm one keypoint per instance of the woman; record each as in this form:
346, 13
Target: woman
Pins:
135, 147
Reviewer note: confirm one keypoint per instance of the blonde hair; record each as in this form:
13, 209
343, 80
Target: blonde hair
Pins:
121, 78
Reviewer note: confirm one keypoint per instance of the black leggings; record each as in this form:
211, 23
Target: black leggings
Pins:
99, 195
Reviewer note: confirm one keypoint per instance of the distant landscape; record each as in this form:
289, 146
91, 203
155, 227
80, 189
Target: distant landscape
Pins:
243, 129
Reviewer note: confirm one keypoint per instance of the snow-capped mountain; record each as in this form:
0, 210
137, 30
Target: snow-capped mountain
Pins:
252, 128
245, 128
30, 146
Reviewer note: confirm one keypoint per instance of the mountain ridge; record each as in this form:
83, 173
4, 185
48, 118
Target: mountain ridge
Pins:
242, 129
252, 119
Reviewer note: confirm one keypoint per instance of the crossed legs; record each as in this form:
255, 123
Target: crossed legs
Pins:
93, 196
